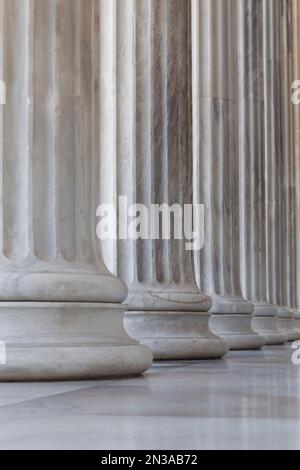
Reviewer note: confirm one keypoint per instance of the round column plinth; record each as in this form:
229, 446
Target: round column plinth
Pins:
237, 331
265, 323
176, 335
286, 324
297, 322
67, 341
267, 328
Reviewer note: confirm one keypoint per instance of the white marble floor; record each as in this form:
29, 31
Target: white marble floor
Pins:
250, 400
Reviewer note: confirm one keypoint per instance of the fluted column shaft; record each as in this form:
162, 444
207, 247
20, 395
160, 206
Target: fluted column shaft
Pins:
296, 143
256, 66
154, 165
284, 197
49, 162
71, 323
218, 166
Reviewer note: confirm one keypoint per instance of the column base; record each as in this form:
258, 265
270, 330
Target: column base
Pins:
297, 322
67, 341
265, 323
237, 331
268, 329
176, 335
286, 323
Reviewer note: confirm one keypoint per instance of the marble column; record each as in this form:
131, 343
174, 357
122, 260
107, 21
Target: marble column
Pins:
296, 143
153, 165
61, 315
256, 147
218, 168
285, 173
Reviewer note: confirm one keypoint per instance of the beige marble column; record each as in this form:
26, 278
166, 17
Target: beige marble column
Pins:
218, 168
285, 173
256, 148
153, 164
60, 312
296, 143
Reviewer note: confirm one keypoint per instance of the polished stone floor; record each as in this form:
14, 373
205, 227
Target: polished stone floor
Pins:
250, 400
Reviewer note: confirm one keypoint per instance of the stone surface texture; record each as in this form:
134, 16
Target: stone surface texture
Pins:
153, 164
220, 29
60, 312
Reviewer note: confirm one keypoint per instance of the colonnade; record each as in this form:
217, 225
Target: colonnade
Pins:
296, 141
161, 102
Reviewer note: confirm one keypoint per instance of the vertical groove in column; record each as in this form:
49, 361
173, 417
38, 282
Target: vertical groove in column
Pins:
284, 200
244, 90
234, 265
68, 30
96, 254
217, 163
159, 129
126, 127
203, 111
108, 116
16, 145
270, 147
143, 126
86, 112
259, 287
207, 135
228, 152
277, 147
172, 158
261, 284
280, 142
268, 142
43, 130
